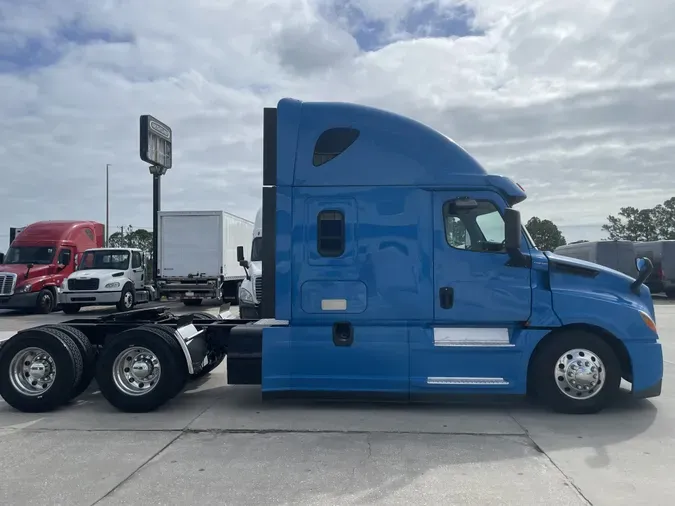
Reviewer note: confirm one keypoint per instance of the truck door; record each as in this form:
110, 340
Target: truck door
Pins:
478, 297
137, 270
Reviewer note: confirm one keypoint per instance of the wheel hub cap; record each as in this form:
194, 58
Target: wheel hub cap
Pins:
32, 371
136, 371
580, 374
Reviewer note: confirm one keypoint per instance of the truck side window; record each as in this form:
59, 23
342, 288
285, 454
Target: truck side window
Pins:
136, 261
332, 142
479, 229
330, 233
64, 257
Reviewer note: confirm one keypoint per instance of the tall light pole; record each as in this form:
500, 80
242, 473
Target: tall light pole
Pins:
107, 202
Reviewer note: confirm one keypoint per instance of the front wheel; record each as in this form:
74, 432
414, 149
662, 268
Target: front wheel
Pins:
127, 300
45, 301
576, 372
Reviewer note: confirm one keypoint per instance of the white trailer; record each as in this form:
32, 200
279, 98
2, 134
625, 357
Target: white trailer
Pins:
197, 255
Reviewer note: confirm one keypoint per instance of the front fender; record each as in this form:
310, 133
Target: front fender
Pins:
618, 316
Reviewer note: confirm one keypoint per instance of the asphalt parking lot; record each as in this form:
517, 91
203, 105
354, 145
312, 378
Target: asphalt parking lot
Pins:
220, 445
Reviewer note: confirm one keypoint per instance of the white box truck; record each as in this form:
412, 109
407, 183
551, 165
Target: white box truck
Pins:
197, 255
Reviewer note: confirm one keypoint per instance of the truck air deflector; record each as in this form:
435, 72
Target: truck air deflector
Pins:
389, 150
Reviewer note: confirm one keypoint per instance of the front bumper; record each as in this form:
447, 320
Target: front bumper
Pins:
91, 298
647, 364
19, 300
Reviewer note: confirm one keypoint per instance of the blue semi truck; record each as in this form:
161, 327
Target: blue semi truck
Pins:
394, 267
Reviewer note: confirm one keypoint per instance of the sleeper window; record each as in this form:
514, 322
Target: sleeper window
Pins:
330, 233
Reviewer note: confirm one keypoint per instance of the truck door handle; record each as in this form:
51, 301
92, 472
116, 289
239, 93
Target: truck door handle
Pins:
446, 296
343, 334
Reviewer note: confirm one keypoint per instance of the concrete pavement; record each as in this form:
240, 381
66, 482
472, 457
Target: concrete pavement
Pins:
221, 445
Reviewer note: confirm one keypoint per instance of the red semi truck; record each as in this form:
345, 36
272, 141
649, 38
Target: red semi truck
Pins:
39, 258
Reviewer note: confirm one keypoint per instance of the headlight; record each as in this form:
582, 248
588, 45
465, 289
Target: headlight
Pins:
112, 285
649, 322
245, 295
24, 289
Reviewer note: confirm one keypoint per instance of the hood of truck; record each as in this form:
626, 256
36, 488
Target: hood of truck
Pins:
584, 292
20, 269
96, 273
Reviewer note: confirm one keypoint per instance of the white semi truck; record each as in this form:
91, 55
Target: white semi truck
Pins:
107, 277
197, 255
250, 292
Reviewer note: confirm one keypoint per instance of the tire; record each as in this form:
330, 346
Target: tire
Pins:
127, 299
210, 367
60, 351
670, 293
88, 353
181, 373
192, 302
70, 308
45, 302
135, 395
203, 315
552, 370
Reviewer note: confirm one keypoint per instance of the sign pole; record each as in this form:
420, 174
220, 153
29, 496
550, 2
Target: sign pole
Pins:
156, 149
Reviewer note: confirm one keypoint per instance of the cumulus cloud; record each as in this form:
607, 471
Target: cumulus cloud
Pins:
573, 99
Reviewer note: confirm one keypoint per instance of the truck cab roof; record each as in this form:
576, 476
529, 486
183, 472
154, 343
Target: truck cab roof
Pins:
368, 147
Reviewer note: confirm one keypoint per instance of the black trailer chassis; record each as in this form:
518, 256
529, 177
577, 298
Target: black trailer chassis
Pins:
140, 359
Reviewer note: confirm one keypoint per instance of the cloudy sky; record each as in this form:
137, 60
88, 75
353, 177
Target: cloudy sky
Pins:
574, 99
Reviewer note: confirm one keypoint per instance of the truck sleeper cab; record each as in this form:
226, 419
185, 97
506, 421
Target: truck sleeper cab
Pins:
398, 267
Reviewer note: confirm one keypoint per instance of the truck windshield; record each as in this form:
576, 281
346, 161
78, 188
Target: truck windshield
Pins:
256, 250
38, 255
105, 259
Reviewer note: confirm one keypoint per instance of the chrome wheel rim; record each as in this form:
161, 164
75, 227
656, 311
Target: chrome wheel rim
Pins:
128, 299
32, 371
580, 374
136, 371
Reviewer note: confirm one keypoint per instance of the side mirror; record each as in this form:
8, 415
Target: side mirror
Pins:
640, 263
242, 261
644, 267
513, 236
240, 257
2, 258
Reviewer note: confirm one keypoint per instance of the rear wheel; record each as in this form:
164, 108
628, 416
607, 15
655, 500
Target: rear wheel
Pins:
39, 369
88, 353
140, 370
216, 361
203, 315
576, 372
70, 308
192, 302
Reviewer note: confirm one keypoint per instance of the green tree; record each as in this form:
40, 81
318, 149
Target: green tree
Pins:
545, 234
650, 224
128, 237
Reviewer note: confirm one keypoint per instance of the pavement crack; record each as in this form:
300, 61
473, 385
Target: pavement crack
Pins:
139, 468
540, 450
